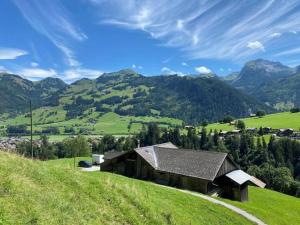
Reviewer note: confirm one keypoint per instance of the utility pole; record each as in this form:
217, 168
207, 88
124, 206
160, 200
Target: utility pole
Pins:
31, 139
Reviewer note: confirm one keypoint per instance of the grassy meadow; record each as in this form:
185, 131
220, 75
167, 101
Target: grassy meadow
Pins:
272, 207
275, 121
109, 123
35, 192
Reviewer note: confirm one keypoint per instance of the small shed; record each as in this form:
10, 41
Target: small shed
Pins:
235, 185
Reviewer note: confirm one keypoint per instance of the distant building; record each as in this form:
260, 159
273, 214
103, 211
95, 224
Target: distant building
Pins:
189, 127
251, 129
252, 115
285, 132
207, 172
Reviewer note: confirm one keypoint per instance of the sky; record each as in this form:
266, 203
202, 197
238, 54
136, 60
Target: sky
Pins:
72, 39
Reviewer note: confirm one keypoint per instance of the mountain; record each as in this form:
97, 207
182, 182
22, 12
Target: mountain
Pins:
192, 99
16, 92
270, 82
127, 93
258, 72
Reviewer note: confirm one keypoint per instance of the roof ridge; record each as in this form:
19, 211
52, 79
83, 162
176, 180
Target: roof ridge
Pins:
193, 150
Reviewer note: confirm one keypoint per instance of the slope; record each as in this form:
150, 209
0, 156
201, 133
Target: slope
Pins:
16, 92
33, 192
275, 121
271, 206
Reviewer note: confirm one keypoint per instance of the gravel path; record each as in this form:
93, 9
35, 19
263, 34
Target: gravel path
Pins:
228, 206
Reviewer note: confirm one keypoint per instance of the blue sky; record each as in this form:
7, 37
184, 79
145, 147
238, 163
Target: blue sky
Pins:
71, 39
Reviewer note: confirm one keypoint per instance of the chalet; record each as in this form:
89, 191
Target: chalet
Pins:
251, 130
285, 132
207, 172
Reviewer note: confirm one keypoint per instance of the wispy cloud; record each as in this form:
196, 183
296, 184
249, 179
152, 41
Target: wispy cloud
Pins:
11, 53
207, 28
202, 70
34, 64
51, 19
37, 73
168, 71
75, 74
69, 75
184, 64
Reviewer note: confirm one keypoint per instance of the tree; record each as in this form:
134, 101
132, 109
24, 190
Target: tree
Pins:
228, 119
203, 140
295, 110
241, 125
260, 113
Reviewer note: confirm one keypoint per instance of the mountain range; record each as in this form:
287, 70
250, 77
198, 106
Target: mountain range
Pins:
260, 85
191, 99
272, 83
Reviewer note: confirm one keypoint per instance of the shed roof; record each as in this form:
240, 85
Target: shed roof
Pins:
113, 154
240, 177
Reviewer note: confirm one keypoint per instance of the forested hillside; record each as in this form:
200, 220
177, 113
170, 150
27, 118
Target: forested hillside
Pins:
16, 92
191, 99
270, 82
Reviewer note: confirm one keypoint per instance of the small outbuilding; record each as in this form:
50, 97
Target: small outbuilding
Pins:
208, 172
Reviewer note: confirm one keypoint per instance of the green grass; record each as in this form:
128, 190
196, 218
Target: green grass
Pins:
272, 207
109, 123
34, 192
275, 121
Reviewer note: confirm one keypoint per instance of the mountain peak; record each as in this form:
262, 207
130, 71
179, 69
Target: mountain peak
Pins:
266, 65
124, 73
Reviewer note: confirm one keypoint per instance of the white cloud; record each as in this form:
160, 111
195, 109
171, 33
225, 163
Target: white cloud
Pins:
34, 64
292, 51
37, 73
179, 24
202, 70
168, 71
4, 69
75, 74
275, 35
136, 67
256, 45
58, 27
11, 53
184, 64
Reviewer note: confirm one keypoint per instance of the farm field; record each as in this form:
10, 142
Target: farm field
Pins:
35, 192
109, 123
276, 121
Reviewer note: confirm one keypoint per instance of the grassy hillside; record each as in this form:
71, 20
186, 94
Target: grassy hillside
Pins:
33, 192
277, 120
272, 207
108, 123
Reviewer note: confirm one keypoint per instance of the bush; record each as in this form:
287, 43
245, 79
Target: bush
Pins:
228, 119
260, 113
241, 125
295, 110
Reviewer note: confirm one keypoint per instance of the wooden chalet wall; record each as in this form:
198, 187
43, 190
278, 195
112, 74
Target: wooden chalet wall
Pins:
226, 167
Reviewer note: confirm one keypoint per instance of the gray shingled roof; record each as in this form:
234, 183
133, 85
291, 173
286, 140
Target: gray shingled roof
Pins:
113, 154
192, 163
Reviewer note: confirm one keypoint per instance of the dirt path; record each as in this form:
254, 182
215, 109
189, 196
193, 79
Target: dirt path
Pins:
228, 206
